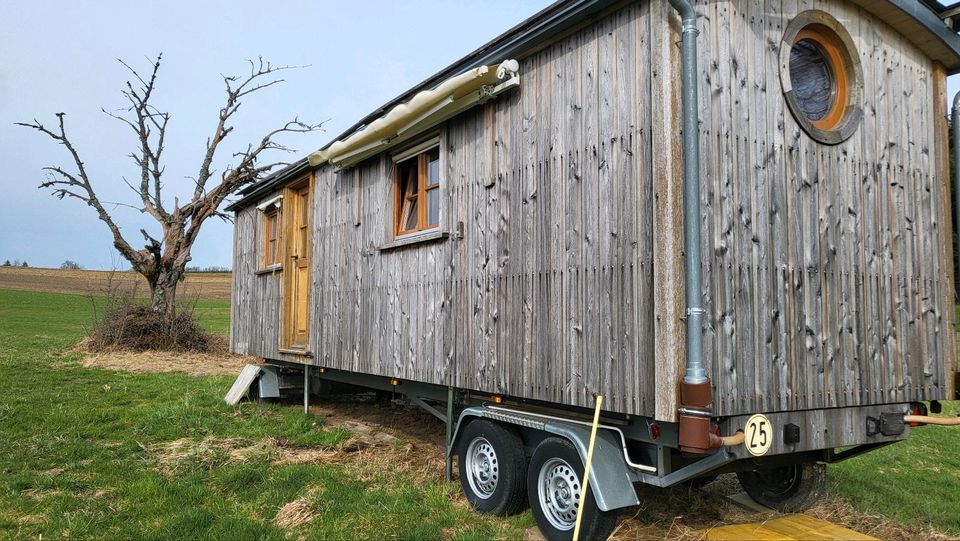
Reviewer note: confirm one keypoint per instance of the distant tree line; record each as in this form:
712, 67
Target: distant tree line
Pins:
70, 264
209, 269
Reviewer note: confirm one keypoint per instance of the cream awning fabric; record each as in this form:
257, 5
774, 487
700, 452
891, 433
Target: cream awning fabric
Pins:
425, 110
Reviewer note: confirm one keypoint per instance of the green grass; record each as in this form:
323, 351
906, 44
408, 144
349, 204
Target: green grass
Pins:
916, 482
78, 452
78, 456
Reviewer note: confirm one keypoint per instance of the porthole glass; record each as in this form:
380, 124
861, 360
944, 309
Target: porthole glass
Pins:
813, 79
821, 76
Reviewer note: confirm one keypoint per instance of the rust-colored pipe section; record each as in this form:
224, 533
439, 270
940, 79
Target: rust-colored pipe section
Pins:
696, 401
928, 420
727, 441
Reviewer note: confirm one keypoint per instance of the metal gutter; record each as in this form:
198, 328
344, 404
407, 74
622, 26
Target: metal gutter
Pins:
695, 372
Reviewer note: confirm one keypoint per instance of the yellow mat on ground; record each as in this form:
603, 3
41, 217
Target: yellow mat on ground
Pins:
795, 527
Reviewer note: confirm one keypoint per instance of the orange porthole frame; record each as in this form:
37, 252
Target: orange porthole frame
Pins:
843, 118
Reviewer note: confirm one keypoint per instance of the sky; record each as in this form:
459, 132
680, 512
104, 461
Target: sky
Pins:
62, 57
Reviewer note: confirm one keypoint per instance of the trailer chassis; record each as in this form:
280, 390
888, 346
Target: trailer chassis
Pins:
630, 449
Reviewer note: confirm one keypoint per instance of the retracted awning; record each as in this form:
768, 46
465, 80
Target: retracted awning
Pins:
425, 110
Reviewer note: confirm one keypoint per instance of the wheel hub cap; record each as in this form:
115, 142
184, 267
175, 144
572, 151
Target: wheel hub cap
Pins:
483, 470
559, 491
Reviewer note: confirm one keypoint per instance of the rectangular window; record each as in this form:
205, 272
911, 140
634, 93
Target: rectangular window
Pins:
417, 205
273, 236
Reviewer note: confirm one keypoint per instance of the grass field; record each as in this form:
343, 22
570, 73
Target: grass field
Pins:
90, 453
94, 453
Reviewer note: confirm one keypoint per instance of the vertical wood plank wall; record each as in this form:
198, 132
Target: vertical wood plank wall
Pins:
823, 277
548, 294
823, 266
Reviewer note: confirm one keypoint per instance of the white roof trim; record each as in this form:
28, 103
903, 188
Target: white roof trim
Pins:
270, 202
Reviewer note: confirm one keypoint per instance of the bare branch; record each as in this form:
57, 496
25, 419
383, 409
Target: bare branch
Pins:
120, 204
82, 181
260, 77
162, 260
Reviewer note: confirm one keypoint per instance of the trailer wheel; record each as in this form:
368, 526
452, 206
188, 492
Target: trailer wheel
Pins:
787, 489
492, 468
554, 488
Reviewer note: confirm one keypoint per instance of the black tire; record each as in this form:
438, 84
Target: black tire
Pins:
788, 489
493, 468
557, 461
700, 482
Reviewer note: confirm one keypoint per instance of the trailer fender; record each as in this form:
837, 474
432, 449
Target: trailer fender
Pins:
610, 478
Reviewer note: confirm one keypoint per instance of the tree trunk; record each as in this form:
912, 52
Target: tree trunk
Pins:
164, 293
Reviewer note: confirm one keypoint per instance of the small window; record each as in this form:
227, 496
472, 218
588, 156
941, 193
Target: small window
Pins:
815, 84
821, 76
418, 193
272, 236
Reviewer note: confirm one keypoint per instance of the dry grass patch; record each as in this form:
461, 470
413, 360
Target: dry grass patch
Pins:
31, 520
175, 456
295, 514
195, 364
40, 494
687, 514
368, 448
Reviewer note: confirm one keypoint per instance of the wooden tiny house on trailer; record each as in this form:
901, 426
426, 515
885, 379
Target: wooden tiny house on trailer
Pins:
515, 226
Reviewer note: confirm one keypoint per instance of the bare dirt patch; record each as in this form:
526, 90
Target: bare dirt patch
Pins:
368, 447
196, 285
195, 364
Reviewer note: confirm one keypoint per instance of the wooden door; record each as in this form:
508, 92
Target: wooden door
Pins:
296, 286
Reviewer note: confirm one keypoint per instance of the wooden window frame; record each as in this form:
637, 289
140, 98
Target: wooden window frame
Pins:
841, 54
402, 200
272, 220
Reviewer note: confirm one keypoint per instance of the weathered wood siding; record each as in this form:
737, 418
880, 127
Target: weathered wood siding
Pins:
823, 267
255, 310
548, 294
824, 275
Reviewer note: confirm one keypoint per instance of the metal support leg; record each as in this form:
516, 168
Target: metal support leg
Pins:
449, 460
306, 389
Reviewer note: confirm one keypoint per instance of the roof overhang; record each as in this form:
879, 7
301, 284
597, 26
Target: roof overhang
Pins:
921, 25
919, 21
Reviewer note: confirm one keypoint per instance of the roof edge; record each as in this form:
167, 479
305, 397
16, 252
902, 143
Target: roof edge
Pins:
931, 21
270, 183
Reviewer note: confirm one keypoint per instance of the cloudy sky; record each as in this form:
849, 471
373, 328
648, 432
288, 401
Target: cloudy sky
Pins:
61, 56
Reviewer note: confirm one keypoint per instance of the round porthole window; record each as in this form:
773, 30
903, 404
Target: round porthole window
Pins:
821, 77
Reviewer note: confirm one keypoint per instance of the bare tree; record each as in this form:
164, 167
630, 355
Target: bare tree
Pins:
162, 261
